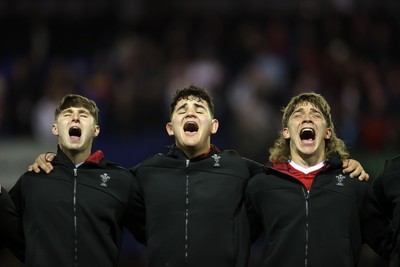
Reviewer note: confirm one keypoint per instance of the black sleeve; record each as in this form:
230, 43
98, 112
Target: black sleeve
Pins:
253, 166
376, 226
135, 215
11, 231
385, 186
256, 227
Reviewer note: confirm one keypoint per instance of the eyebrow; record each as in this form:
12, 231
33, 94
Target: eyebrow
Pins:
80, 110
197, 105
313, 109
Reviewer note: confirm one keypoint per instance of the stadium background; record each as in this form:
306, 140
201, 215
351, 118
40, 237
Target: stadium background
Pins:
253, 55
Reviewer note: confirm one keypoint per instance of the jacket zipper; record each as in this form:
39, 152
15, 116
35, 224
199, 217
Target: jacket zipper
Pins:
306, 195
186, 211
75, 218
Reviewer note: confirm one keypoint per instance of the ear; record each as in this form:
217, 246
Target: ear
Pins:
169, 129
328, 133
285, 133
214, 126
54, 129
96, 130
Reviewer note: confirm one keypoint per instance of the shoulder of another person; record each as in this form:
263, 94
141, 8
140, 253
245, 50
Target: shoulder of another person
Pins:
229, 151
156, 159
121, 169
393, 163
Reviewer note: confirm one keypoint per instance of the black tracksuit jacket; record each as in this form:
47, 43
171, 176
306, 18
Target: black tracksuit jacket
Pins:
11, 232
387, 188
74, 217
323, 227
195, 210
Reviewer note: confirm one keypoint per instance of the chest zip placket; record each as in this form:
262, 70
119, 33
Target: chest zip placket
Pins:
306, 196
186, 210
75, 219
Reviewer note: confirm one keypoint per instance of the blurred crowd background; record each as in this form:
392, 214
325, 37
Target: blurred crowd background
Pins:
253, 55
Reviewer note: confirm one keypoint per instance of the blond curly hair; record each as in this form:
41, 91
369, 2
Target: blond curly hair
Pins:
280, 152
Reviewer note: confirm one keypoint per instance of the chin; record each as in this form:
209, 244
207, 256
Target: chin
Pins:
309, 152
190, 145
75, 147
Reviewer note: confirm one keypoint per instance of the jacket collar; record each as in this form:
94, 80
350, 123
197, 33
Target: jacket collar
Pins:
332, 163
176, 152
95, 158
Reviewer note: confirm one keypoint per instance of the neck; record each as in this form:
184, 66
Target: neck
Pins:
192, 152
77, 156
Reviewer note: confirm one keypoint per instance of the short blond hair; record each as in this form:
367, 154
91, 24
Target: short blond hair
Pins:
77, 101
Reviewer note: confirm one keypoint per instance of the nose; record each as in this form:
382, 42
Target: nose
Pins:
75, 116
190, 111
307, 117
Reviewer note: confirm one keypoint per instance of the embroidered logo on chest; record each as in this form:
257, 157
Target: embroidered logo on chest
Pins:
340, 178
104, 179
216, 160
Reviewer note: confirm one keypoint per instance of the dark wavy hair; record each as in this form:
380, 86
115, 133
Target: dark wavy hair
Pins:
193, 91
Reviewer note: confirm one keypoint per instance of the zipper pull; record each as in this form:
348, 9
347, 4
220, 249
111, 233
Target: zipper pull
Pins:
306, 193
187, 162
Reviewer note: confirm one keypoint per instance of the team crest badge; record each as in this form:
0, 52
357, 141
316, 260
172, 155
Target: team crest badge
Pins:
104, 179
340, 178
216, 160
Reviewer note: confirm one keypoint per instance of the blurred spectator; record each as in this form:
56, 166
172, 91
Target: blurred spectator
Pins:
58, 83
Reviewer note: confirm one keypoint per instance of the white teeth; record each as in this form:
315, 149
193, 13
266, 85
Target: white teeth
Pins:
307, 129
